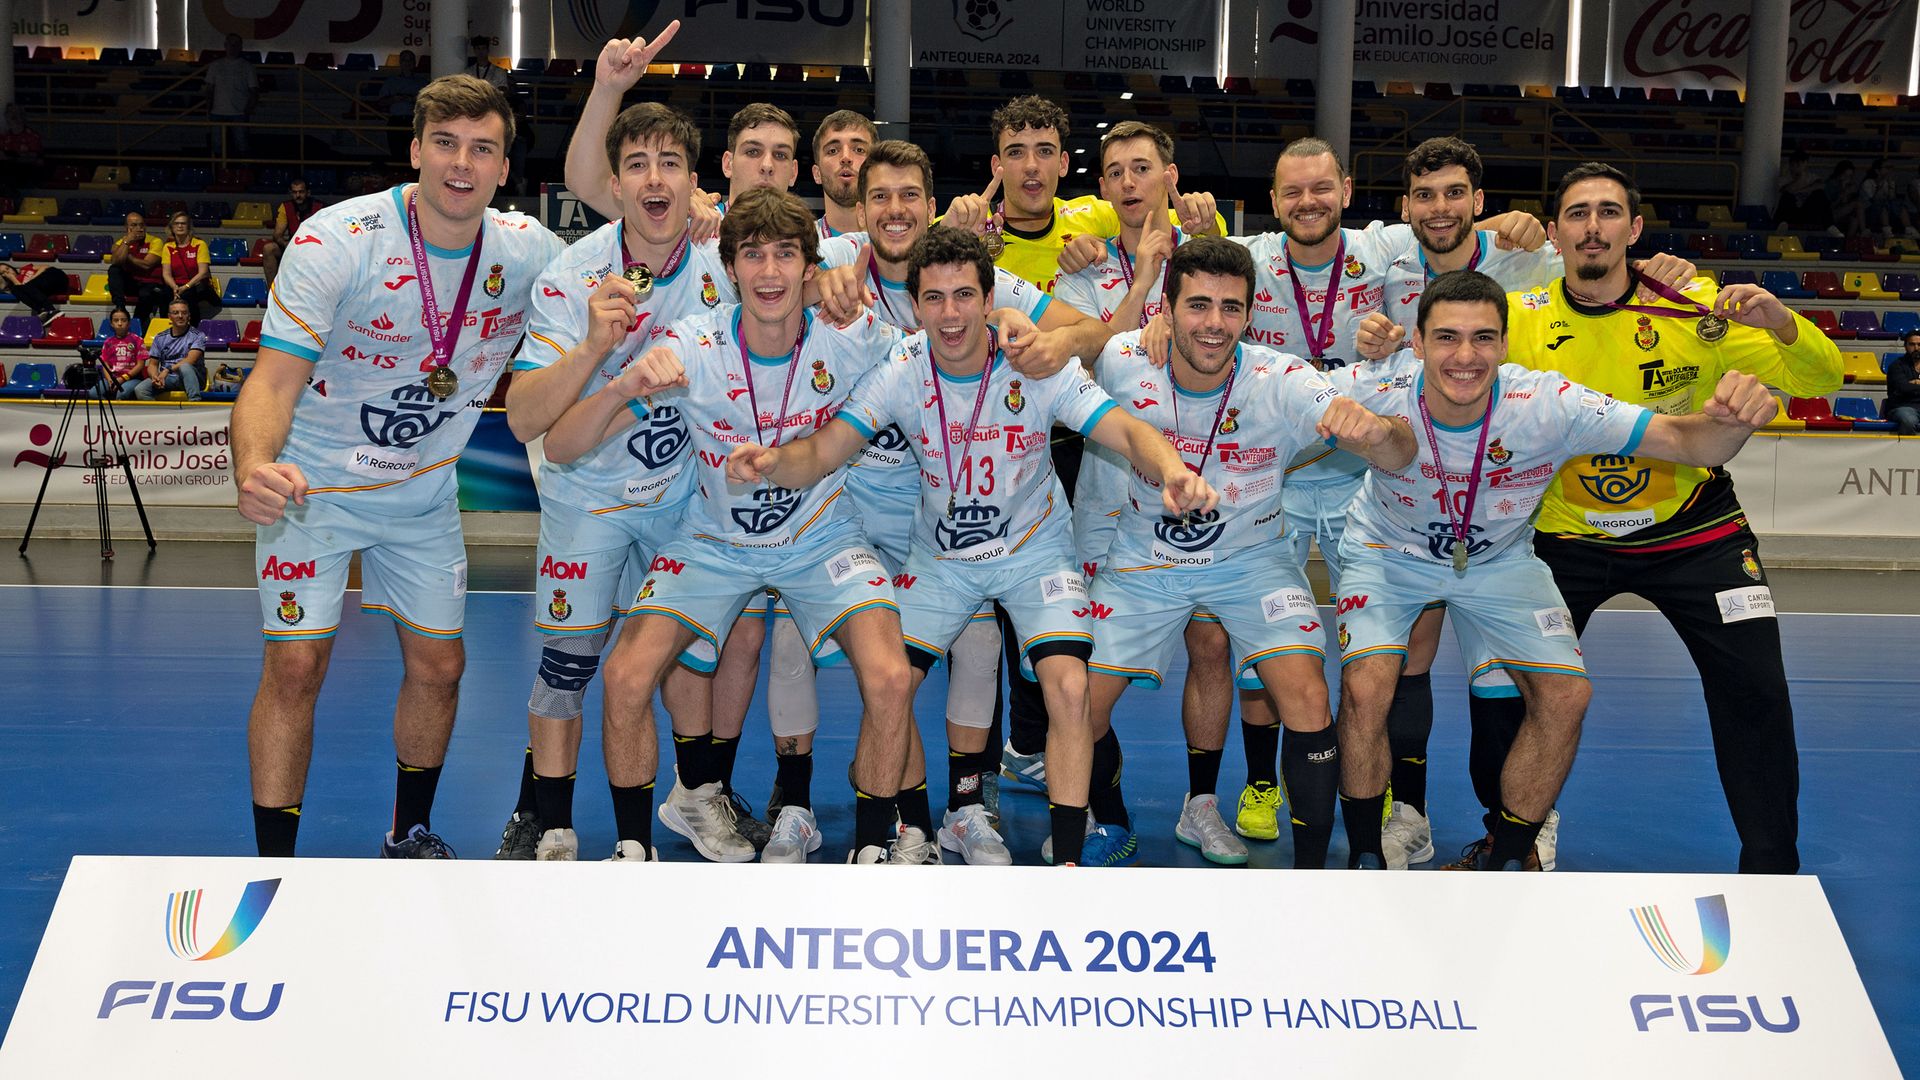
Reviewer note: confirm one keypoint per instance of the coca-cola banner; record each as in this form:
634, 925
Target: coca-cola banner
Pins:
1844, 46
1511, 42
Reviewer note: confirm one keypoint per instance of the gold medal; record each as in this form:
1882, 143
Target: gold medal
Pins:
1711, 328
996, 244
442, 382
1459, 556
950, 500
642, 279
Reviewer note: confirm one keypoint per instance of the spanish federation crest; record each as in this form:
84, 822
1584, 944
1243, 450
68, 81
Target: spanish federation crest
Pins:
1497, 454
1231, 424
1355, 267
1644, 335
709, 294
1015, 400
558, 607
1750, 564
290, 612
822, 378
496, 282
646, 591
1345, 638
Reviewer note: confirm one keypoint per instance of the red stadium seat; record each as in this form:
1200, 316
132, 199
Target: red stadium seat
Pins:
1828, 324
1817, 415
1826, 285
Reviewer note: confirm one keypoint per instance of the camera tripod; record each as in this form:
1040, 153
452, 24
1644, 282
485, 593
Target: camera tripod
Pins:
112, 451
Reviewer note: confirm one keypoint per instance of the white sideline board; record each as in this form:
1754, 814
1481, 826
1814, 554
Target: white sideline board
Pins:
192, 967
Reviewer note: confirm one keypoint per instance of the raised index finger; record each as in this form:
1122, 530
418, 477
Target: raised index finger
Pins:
650, 49
992, 188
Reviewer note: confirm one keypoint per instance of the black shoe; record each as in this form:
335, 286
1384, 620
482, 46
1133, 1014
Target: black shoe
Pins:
519, 838
751, 828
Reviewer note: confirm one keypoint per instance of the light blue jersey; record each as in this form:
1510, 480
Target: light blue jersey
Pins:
1517, 271
1097, 288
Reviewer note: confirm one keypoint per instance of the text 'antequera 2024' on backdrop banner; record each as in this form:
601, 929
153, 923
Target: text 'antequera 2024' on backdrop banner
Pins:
194, 967
1155, 37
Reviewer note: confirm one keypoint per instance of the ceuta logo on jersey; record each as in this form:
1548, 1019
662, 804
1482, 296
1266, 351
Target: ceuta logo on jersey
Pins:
1722, 1012
200, 999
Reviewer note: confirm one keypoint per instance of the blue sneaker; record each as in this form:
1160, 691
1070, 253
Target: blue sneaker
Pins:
419, 844
1109, 845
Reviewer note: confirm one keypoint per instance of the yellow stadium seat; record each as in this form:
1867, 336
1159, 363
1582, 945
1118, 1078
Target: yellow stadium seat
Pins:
34, 210
1716, 217
1789, 249
1401, 88
81, 52
249, 215
154, 326
1862, 369
106, 178
182, 56
1781, 421
1867, 284
95, 292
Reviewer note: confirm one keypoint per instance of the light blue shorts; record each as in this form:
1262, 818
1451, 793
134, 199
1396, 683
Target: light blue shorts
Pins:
704, 585
1317, 510
1507, 614
413, 569
1043, 593
1140, 614
589, 566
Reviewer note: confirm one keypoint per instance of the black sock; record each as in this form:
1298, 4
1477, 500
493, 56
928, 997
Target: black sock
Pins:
1263, 746
964, 775
1103, 793
1363, 825
1069, 827
553, 801
274, 829
1495, 720
633, 813
1310, 762
1203, 770
1026, 707
413, 789
794, 774
1409, 724
526, 804
723, 752
915, 810
694, 756
873, 817
1513, 838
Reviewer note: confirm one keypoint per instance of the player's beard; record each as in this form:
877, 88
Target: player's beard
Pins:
1189, 349
1593, 271
1460, 234
846, 196
1299, 236
883, 245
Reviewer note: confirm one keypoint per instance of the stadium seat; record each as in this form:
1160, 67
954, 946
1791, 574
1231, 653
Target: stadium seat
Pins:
1866, 284
244, 292
62, 178
153, 331
208, 215
1785, 284
249, 339
1862, 413
1862, 368
10, 244
34, 210
89, 248
1899, 281
1828, 324
1711, 246
65, 332
1738, 277
75, 212
20, 330
107, 178
28, 380
226, 250
1528, 206
45, 247
1864, 325
1752, 247
150, 178
105, 330
250, 215
1789, 248
1781, 421
1859, 249
95, 291
1826, 285
1816, 414
254, 256
1899, 323
1717, 217
230, 182
220, 333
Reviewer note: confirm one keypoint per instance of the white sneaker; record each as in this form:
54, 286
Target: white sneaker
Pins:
915, 848
557, 845
705, 816
1028, 769
630, 851
967, 832
795, 834
1406, 838
873, 855
1201, 826
1547, 844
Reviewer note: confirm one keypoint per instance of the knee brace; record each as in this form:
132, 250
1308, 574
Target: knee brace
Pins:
793, 704
973, 676
567, 665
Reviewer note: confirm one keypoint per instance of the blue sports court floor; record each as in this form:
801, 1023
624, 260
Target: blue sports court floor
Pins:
124, 733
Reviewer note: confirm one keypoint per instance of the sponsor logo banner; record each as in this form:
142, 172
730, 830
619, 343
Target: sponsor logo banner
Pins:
1159, 37
730, 32
1851, 46
1644, 974
1445, 41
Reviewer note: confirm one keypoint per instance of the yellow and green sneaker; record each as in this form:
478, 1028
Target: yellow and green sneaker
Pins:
1259, 817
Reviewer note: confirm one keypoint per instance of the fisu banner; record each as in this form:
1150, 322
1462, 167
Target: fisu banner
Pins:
184, 967
719, 31
1842, 46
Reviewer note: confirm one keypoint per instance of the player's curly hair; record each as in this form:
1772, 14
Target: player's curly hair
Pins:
651, 121
1030, 111
765, 215
1208, 255
944, 246
1439, 154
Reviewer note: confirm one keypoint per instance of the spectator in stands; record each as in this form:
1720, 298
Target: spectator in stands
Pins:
1886, 202
123, 357
480, 65
1903, 388
299, 206
188, 267
1843, 199
233, 89
1803, 198
133, 269
19, 153
177, 359
397, 92
35, 286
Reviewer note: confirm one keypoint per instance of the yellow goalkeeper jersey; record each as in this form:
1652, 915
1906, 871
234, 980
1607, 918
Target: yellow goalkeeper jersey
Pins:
1035, 256
1664, 365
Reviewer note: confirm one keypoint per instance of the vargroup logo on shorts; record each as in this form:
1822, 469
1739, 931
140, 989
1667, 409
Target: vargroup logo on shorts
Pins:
970, 526
1701, 1012
1739, 605
200, 999
1183, 541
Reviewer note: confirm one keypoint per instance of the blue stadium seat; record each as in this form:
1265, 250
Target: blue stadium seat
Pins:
1862, 412
1785, 284
244, 292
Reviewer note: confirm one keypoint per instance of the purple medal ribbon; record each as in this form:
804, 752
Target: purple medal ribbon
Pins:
753, 401
1317, 346
444, 338
674, 258
1461, 527
1213, 432
879, 285
946, 439
1689, 307
1126, 271
1473, 261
